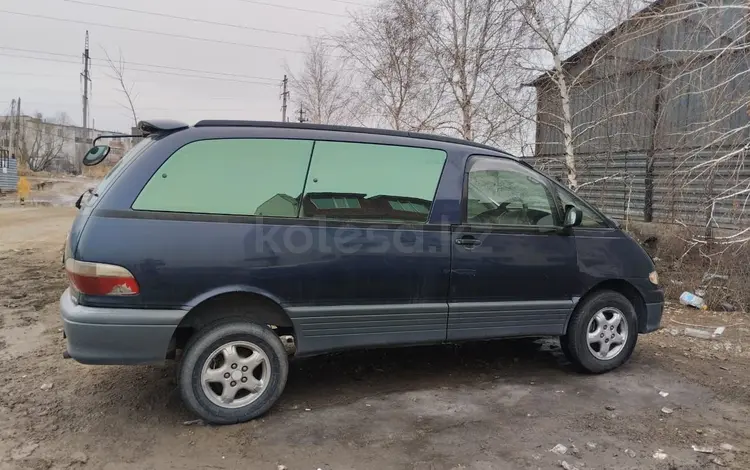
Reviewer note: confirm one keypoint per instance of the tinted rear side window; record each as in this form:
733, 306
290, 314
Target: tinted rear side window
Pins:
135, 152
231, 176
370, 182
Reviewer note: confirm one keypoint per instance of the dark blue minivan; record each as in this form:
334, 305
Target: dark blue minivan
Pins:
240, 244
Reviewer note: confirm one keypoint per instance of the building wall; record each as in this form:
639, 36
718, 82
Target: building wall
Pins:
8, 172
279, 205
73, 141
648, 104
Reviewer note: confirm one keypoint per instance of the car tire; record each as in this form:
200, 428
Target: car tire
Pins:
249, 355
602, 332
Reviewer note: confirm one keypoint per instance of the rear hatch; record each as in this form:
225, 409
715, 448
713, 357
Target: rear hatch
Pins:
91, 197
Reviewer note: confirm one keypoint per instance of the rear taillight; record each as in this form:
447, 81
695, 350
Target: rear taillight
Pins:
100, 279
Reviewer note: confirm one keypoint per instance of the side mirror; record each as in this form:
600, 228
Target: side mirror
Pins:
95, 155
573, 217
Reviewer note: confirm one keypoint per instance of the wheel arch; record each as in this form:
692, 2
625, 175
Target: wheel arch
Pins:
233, 289
621, 286
240, 301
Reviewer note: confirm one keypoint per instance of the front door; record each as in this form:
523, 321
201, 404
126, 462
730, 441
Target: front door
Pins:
514, 269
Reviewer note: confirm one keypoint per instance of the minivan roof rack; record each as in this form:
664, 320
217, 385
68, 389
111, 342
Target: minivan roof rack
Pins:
157, 126
361, 130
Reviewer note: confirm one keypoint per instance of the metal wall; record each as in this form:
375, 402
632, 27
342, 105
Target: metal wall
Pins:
8, 173
615, 184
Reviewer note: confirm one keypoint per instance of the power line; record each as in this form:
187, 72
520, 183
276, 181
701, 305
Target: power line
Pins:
48, 59
32, 74
175, 74
159, 72
182, 69
195, 20
158, 33
353, 3
226, 74
285, 7
116, 106
69, 89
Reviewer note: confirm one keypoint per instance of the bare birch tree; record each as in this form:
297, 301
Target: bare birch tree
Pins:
472, 47
42, 141
386, 50
553, 22
558, 28
322, 88
126, 87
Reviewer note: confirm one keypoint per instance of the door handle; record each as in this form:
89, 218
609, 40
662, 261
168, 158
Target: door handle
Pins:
468, 241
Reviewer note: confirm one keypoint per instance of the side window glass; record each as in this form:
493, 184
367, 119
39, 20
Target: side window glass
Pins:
590, 218
122, 163
263, 177
502, 192
369, 182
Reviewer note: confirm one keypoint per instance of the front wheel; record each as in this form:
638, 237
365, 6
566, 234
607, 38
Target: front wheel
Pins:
233, 371
602, 332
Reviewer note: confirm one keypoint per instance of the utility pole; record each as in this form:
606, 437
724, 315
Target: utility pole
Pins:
82, 143
19, 127
12, 117
301, 115
284, 97
86, 81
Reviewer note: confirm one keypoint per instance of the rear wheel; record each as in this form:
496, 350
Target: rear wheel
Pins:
233, 371
602, 333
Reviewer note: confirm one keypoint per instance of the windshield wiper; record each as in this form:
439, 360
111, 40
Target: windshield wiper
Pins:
80, 199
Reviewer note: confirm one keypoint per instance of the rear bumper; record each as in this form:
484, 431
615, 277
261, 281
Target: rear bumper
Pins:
117, 336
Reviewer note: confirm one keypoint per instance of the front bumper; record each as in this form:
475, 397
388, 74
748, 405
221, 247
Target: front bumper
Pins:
117, 336
653, 297
652, 321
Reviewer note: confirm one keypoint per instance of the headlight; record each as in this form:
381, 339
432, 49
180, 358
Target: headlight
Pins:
654, 278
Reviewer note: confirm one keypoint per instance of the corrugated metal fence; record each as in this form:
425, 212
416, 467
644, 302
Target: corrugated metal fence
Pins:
8, 173
683, 190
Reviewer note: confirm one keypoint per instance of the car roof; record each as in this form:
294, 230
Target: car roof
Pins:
360, 130
169, 126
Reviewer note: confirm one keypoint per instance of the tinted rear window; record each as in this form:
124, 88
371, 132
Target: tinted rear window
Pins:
372, 182
126, 160
262, 177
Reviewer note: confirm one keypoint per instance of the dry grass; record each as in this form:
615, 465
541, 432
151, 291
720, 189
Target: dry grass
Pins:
684, 264
23, 170
98, 171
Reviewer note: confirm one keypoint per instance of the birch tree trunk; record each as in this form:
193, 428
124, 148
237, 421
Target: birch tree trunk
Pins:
567, 115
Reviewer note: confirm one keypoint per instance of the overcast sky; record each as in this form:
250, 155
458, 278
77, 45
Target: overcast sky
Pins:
53, 85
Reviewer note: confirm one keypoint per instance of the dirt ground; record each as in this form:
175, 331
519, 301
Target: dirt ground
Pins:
62, 191
492, 405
